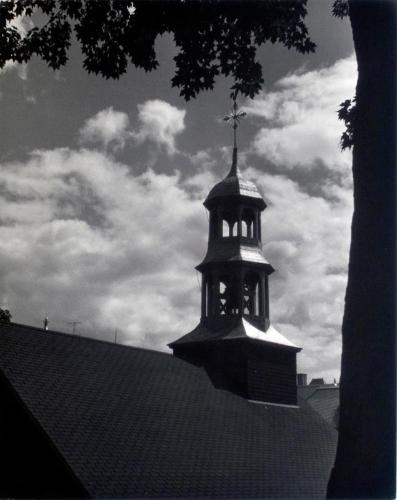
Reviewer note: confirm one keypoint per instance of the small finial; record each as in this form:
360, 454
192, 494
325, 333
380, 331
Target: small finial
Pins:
45, 323
233, 118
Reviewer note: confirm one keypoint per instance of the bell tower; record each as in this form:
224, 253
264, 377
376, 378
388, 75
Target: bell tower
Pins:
235, 274
234, 340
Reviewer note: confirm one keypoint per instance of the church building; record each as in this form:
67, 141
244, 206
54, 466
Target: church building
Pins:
219, 417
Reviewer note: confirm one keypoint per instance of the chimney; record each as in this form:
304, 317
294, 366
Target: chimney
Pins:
301, 379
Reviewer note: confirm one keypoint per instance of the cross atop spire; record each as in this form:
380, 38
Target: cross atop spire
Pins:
233, 118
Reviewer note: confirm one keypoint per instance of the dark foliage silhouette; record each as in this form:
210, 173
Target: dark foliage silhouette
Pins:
212, 37
5, 315
347, 113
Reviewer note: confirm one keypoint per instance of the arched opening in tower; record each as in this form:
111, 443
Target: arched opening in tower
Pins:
251, 294
228, 296
248, 223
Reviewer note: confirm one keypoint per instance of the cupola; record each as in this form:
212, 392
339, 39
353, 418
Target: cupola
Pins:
234, 340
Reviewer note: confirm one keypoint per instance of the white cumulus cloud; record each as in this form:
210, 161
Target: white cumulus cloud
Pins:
301, 126
160, 123
105, 127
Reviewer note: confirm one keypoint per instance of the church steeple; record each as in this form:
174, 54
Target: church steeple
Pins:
234, 329
235, 272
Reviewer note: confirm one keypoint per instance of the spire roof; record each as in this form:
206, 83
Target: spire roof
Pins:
234, 184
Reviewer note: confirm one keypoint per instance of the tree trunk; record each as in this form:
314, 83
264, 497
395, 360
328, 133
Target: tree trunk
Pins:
365, 460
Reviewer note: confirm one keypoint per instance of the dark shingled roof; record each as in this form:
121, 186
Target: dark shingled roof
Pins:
234, 185
325, 401
132, 422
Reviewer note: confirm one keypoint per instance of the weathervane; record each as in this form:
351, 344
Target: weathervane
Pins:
233, 118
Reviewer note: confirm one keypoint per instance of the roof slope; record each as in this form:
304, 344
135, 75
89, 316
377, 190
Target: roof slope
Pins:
132, 422
325, 401
240, 328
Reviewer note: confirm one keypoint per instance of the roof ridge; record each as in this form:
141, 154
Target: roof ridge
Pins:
80, 337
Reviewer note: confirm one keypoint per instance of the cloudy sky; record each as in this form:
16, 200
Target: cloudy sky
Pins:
102, 184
